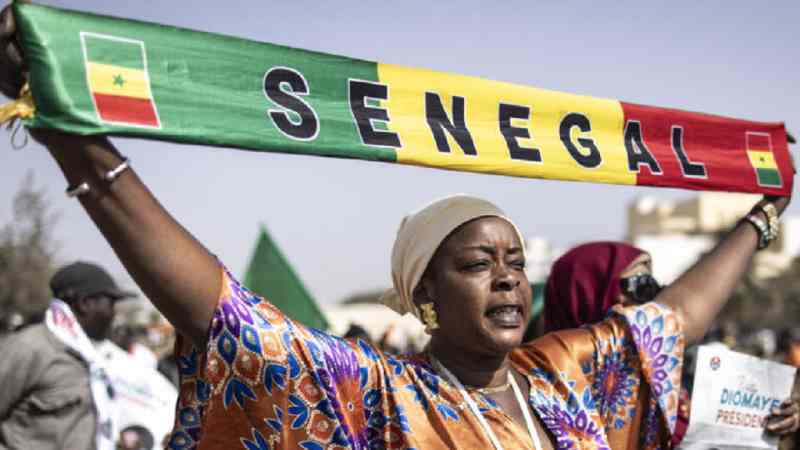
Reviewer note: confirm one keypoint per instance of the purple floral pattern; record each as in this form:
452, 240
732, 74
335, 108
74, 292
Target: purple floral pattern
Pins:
264, 382
660, 341
615, 382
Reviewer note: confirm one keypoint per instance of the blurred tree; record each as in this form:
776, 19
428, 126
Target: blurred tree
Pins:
763, 303
773, 303
783, 297
27, 252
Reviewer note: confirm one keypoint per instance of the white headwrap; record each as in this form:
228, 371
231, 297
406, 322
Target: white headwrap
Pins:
420, 234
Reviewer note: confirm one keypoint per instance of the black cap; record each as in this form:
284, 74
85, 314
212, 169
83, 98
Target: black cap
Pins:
82, 279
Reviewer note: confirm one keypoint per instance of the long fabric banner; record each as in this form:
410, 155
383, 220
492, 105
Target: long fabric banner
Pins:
92, 74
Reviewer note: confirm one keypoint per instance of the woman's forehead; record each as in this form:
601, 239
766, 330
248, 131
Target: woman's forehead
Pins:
642, 263
481, 232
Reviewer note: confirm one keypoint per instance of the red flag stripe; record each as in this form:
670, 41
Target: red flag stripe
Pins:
758, 141
126, 110
720, 144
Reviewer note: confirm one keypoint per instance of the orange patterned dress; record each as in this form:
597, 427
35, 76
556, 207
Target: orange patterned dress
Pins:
266, 382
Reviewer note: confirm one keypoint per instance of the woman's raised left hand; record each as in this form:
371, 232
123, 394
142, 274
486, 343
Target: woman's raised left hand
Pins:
784, 419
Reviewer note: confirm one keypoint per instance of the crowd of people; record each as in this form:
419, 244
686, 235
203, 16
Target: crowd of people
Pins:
44, 366
251, 377
71, 381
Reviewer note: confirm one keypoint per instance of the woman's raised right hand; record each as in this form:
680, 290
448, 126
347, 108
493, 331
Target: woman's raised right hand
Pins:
14, 67
170, 266
13, 70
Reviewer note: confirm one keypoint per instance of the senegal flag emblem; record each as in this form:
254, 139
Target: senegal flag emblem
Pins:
116, 73
759, 152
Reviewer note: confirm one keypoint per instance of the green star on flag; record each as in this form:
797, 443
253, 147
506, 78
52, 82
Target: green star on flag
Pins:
118, 80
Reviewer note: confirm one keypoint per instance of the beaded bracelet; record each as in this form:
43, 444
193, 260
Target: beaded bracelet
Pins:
772, 219
764, 237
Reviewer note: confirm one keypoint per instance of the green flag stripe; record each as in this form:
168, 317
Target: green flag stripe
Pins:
768, 177
233, 110
113, 51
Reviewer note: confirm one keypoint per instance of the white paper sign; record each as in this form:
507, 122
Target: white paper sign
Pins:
732, 396
144, 396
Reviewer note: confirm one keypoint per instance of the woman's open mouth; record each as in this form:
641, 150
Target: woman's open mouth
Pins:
506, 316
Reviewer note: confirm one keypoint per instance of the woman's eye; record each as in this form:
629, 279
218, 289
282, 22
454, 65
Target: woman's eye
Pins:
518, 264
476, 265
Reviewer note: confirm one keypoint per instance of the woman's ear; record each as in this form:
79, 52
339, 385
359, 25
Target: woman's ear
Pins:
422, 293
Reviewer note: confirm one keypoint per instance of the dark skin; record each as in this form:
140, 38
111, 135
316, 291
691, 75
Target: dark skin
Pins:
183, 279
478, 268
95, 314
783, 419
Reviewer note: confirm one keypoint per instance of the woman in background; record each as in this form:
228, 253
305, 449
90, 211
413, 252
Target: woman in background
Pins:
589, 280
252, 378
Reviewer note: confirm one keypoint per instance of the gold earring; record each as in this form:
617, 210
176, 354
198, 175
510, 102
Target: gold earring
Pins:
429, 317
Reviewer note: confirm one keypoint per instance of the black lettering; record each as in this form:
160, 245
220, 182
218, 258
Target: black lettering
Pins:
589, 160
689, 169
640, 154
359, 92
308, 126
439, 122
512, 133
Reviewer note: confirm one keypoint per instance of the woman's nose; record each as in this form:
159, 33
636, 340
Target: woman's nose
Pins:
504, 279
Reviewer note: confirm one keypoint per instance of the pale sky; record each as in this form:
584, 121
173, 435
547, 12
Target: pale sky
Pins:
336, 219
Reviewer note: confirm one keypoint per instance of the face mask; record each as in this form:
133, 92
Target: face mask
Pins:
641, 288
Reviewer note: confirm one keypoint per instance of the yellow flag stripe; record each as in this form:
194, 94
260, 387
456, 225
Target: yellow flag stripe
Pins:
116, 80
482, 98
762, 160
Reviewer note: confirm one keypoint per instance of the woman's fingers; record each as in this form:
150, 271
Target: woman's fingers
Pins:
783, 426
785, 418
788, 407
7, 26
11, 59
13, 55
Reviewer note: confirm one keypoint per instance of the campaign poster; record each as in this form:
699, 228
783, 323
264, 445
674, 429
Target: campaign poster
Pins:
732, 397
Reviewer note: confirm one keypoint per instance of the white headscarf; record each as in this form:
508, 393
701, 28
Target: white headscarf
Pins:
420, 234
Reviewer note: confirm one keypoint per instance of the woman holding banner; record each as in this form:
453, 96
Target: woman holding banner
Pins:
252, 378
589, 280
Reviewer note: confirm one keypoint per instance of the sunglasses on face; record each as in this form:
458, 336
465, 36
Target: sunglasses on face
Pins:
641, 288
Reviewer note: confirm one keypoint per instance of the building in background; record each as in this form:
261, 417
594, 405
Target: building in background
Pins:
676, 233
384, 326
540, 257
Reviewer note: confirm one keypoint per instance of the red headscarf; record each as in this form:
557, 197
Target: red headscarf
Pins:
584, 284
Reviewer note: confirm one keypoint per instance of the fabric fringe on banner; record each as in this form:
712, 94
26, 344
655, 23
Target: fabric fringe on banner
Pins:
21, 108
92, 74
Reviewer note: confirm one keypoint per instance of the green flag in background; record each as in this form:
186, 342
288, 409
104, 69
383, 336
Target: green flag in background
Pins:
271, 276
537, 299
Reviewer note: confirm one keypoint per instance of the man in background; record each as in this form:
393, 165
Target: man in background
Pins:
56, 392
